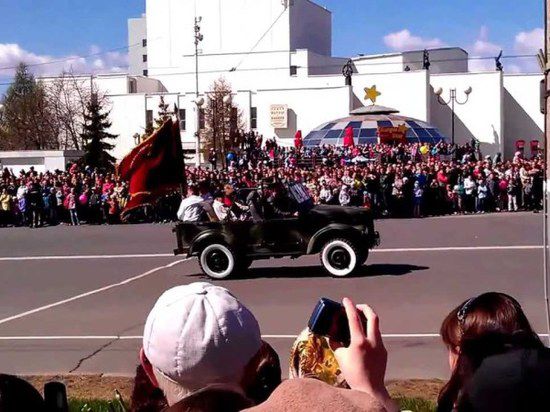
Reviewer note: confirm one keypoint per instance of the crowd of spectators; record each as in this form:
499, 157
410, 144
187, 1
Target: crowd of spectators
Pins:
402, 180
203, 351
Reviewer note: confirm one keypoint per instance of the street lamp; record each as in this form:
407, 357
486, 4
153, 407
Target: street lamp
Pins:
199, 101
453, 98
226, 101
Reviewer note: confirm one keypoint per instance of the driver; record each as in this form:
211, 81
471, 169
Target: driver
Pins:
278, 203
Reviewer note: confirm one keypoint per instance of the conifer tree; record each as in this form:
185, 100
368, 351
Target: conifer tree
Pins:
97, 137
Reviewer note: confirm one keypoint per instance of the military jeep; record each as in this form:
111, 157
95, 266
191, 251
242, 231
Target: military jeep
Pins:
342, 236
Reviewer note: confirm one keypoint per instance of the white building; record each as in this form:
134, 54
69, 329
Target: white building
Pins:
278, 52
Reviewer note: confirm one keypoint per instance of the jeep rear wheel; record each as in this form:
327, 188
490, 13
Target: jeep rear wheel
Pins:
217, 261
339, 257
363, 256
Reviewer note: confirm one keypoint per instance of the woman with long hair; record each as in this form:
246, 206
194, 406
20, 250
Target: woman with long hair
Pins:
487, 325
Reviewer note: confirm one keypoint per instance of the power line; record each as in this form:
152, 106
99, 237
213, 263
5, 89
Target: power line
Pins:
78, 57
214, 71
260, 39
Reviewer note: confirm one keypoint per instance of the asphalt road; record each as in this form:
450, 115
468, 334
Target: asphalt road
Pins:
74, 299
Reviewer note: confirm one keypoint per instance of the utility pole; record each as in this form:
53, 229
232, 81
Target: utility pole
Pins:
198, 101
546, 105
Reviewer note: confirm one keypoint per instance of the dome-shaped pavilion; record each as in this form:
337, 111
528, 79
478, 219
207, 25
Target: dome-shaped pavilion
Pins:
368, 123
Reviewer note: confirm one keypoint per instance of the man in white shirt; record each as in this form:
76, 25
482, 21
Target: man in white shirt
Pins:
190, 209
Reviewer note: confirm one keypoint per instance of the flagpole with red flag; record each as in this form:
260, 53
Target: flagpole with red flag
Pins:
154, 168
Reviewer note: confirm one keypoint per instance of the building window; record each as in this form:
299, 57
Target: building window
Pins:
144, 42
182, 116
201, 119
144, 58
149, 118
146, 72
293, 70
133, 86
253, 117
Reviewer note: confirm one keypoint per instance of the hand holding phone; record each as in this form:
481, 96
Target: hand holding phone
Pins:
363, 363
329, 319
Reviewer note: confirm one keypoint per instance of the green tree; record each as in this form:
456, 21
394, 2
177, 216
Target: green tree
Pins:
27, 122
223, 120
163, 113
96, 137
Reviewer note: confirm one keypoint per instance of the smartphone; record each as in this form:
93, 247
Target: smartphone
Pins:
329, 319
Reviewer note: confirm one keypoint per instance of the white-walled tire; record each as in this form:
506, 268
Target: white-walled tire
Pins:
217, 261
339, 258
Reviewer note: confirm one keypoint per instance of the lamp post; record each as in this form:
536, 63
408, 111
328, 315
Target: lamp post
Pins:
226, 100
453, 99
198, 38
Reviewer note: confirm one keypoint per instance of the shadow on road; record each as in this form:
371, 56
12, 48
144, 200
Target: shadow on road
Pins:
317, 271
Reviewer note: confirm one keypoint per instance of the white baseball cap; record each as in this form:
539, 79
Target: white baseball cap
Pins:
200, 334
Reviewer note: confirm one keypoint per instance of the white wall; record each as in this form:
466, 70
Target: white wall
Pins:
405, 91
137, 31
522, 116
304, 16
308, 108
41, 160
376, 64
171, 35
481, 117
112, 84
128, 118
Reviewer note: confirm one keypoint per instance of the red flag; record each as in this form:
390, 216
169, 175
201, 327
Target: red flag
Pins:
298, 142
348, 137
155, 167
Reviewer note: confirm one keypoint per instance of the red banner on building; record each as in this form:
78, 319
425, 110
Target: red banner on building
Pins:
393, 134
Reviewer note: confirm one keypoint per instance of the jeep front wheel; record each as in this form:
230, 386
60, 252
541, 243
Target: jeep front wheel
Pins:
217, 261
339, 257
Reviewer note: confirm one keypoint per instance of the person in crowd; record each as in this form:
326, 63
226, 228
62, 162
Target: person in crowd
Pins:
482, 195
493, 324
114, 209
469, 194
344, 197
190, 209
34, 205
512, 191
188, 355
71, 204
145, 396
418, 196
18, 395
94, 207
325, 195
338, 378
6, 204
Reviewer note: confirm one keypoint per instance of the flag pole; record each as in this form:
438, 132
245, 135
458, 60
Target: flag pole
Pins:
183, 185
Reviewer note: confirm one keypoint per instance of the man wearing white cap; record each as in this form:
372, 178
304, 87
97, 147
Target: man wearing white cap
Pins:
196, 336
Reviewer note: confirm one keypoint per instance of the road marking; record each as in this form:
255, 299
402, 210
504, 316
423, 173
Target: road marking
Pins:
90, 293
58, 338
168, 255
79, 257
458, 248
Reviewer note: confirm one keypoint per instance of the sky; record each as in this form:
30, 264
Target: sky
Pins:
40, 31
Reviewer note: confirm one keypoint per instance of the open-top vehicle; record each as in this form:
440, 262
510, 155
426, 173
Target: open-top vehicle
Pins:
342, 236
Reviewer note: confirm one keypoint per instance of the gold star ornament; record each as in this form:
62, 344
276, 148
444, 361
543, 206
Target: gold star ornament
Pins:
371, 94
